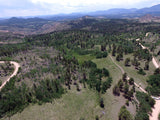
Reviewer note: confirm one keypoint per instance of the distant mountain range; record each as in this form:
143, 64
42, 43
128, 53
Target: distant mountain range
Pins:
111, 13
119, 13
45, 24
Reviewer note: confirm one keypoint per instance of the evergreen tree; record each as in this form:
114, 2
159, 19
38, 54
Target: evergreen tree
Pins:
146, 66
131, 81
116, 90
124, 114
126, 88
97, 118
120, 84
114, 50
118, 58
124, 77
126, 63
157, 71
101, 103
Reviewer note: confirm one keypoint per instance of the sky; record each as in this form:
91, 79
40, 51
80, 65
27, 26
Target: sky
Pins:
18, 8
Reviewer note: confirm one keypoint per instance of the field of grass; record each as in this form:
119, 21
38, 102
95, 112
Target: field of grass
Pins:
132, 72
107, 63
75, 105
84, 104
72, 106
113, 103
82, 58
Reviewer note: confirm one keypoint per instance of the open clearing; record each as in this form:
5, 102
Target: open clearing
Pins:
132, 72
73, 105
13, 74
84, 104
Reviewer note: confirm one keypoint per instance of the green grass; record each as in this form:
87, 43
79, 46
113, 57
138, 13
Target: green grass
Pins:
107, 63
132, 72
72, 106
82, 58
113, 103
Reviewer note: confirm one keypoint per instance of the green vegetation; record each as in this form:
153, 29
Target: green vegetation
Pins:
146, 102
7, 50
85, 101
126, 87
15, 99
124, 114
101, 54
154, 85
71, 69
95, 78
6, 69
82, 58
141, 72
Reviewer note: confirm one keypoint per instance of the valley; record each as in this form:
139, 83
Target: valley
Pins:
88, 68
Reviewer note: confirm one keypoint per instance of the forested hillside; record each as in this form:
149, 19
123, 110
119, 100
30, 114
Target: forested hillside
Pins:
82, 60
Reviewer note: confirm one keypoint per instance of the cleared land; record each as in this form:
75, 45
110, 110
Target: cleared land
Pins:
13, 74
73, 105
84, 104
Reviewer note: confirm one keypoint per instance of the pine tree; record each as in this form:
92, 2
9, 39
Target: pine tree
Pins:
101, 103
124, 77
146, 66
126, 63
124, 114
116, 90
120, 84
131, 81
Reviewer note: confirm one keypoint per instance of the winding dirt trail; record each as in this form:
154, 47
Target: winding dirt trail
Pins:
117, 64
143, 47
155, 63
122, 70
16, 66
156, 109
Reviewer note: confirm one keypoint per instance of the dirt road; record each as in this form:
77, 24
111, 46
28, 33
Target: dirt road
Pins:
117, 64
156, 109
155, 63
127, 76
143, 47
16, 66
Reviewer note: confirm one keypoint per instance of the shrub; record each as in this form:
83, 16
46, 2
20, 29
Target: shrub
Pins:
141, 72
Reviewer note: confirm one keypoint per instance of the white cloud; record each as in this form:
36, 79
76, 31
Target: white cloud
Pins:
40, 7
91, 2
69, 6
20, 13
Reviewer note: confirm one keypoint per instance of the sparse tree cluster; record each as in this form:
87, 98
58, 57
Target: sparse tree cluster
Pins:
145, 105
124, 114
125, 86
